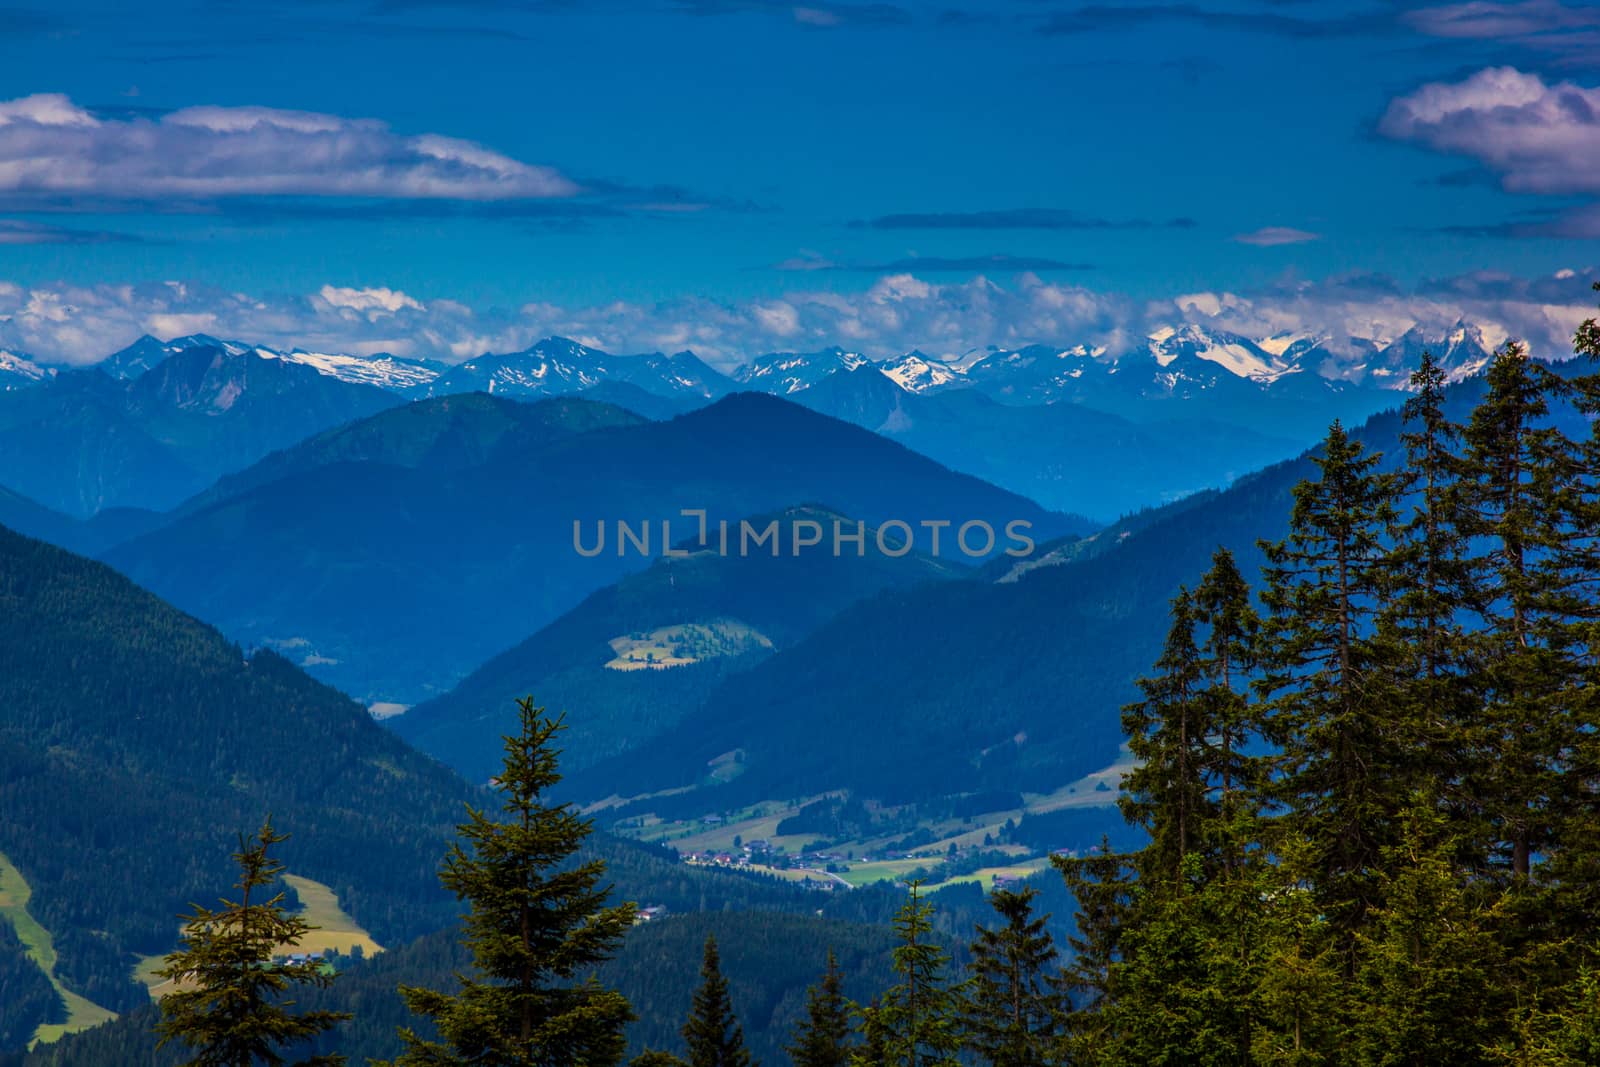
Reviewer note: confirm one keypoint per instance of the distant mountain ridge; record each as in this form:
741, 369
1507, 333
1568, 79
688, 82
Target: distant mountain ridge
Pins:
383, 370
333, 550
82, 441
1173, 359
1197, 406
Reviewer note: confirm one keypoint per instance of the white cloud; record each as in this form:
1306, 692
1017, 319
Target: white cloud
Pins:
163, 324
49, 146
779, 319
368, 300
1539, 138
82, 324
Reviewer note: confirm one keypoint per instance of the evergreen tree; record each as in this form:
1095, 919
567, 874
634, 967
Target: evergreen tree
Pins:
1518, 472
1346, 762
1427, 571
919, 1014
1575, 570
1013, 1006
823, 1038
230, 977
1300, 998
1102, 884
713, 1033
1231, 656
535, 921
1184, 989
1419, 627
1166, 791
1429, 986
873, 1050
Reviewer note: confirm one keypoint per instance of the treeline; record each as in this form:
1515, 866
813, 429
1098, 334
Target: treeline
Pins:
1370, 783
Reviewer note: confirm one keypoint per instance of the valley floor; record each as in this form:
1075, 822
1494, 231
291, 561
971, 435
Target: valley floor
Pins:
748, 838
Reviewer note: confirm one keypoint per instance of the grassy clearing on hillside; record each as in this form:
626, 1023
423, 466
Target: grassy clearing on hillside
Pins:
15, 892
335, 929
690, 642
985, 876
861, 874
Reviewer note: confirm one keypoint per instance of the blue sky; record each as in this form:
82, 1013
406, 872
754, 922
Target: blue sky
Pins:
633, 165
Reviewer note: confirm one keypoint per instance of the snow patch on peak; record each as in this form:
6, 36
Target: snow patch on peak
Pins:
17, 371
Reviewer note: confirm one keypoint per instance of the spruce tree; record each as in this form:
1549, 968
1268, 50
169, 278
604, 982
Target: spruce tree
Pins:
823, 1037
1013, 1006
1102, 883
1514, 495
1419, 627
919, 1014
1346, 762
229, 1004
1184, 987
1301, 1000
1429, 986
537, 919
1575, 862
713, 1033
1428, 567
1231, 656
873, 1049
1188, 947
1166, 792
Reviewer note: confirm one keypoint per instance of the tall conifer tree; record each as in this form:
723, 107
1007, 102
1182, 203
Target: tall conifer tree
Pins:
1169, 735
1344, 770
918, 1015
536, 921
231, 976
823, 1037
1231, 655
1517, 470
1013, 1006
713, 1033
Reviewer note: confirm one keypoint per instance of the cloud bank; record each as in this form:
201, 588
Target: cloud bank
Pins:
896, 313
51, 147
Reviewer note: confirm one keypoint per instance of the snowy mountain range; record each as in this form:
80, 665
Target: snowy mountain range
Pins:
557, 366
383, 370
1286, 385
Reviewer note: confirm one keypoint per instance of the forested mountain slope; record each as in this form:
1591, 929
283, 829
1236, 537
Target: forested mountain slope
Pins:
719, 614
972, 684
393, 582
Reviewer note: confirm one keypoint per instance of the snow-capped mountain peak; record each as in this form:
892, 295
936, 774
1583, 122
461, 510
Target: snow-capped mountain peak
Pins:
1239, 356
918, 373
18, 371
383, 370
789, 372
